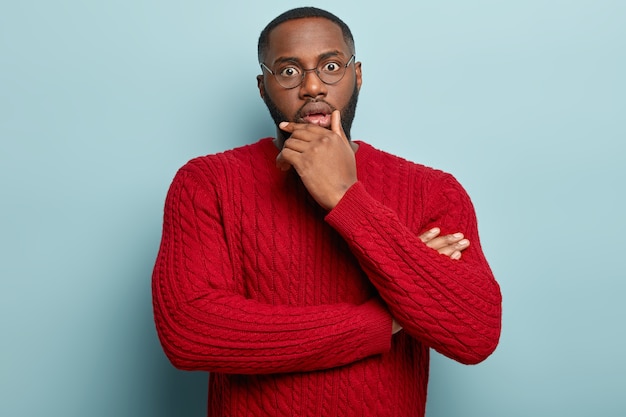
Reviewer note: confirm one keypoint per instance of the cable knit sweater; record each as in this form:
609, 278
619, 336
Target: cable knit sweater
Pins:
290, 307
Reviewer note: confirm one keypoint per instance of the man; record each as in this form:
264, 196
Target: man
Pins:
310, 274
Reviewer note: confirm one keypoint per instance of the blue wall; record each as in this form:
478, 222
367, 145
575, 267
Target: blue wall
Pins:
100, 103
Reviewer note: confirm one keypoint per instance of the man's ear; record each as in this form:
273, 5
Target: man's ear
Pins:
261, 85
359, 74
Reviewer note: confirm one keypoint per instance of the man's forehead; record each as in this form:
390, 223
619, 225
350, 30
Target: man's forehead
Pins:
312, 36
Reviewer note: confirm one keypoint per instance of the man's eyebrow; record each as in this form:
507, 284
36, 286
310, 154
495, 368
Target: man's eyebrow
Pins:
330, 54
296, 60
283, 59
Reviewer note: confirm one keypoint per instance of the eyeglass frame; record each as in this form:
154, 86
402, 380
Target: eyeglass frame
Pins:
304, 71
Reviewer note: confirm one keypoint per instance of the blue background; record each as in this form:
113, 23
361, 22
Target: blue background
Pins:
101, 102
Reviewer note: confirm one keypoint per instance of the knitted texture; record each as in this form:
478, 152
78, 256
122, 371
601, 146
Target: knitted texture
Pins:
290, 307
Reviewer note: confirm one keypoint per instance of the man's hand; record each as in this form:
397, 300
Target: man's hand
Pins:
323, 158
449, 245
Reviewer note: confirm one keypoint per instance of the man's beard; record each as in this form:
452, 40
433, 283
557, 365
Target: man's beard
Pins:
347, 113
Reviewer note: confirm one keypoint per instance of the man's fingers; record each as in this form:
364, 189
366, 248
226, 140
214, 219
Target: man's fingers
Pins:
452, 248
430, 235
449, 245
286, 126
395, 327
281, 163
437, 242
303, 131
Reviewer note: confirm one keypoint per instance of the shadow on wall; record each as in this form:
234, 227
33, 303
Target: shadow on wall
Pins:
179, 393
171, 392
138, 379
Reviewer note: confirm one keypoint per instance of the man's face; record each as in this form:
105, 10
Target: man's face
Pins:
305, 42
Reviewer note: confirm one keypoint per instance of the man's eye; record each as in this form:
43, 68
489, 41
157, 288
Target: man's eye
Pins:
289, 72
331, 67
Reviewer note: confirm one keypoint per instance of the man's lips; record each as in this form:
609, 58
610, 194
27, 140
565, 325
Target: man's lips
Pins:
318, 119
317, 113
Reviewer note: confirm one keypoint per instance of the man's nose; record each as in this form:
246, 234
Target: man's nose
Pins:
312, 85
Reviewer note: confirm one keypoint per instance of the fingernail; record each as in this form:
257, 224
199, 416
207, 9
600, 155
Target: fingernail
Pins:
458, 235
282, 124
463, 242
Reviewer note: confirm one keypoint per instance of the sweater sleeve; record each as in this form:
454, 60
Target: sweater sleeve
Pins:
204, 322
451, 306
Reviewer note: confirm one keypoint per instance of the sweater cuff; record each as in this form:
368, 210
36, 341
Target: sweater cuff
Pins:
349, 212
377, 327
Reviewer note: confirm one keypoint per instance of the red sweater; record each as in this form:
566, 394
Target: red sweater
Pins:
290, 307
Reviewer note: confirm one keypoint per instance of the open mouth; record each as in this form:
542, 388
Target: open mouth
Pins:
320, 119
317, 113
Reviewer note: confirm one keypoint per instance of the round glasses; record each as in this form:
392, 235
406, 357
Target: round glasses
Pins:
290, 75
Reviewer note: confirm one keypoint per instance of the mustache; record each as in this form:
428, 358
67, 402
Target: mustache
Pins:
314, 106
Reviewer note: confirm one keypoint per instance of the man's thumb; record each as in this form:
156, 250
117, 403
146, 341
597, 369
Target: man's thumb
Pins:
335, 123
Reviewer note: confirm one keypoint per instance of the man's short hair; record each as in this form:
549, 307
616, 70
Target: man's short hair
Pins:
301, 13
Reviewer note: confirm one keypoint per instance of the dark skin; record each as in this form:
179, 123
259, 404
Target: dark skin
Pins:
317, 147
